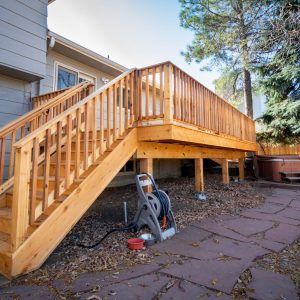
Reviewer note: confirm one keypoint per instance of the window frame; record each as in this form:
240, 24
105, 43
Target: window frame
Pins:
79, 72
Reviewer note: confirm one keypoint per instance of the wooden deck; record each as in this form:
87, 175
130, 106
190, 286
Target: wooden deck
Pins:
60, 166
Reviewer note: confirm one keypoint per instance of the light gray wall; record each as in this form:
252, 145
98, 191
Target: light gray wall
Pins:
14, 98
47, 84
23, 38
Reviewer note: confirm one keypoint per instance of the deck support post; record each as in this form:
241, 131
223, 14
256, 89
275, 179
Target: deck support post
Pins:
199, 179
146, 166
168, 94
20, 202
225, 171
241, 169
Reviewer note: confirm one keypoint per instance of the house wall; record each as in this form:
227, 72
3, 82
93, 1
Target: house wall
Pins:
14, 98
23, 34
53, 57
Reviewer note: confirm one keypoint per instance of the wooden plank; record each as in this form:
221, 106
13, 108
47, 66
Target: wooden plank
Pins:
241, 168
115, 131
189, 135
225, 171
58, 159
46, 169
199, 177
2, 158
77, 146
108, 108
175, 151
20, 202
154, 91
33, 186
168, 94
147, 94
126, 102
12, 154
86, 136
101, 123
146, 166
68, 148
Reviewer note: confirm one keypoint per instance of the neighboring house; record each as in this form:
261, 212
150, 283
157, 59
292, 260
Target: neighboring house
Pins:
34, 61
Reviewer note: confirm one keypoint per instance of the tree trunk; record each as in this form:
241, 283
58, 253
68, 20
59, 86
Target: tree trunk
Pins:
247, 93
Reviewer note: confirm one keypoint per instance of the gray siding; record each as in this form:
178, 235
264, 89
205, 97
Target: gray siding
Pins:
47, 84
23, 37
14, 98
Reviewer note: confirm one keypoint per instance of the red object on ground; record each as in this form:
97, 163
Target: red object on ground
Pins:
135, 243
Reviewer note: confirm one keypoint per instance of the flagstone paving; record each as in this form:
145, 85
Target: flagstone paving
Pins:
203, 261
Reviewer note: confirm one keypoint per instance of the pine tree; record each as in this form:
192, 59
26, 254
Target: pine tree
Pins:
225, 35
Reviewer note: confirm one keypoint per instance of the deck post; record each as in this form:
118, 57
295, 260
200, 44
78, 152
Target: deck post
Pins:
225, 171
199, 179
168, 94
20, 202
241, 169
146, 166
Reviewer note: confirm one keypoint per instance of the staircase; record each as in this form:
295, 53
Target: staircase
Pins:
66, 151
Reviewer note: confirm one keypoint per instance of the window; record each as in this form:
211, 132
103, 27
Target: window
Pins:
68, 76
65, 78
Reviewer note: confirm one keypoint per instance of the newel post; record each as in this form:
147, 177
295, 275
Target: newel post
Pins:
168, 94
20, 202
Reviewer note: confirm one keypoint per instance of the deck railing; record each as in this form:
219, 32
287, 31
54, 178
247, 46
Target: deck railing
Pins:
22, 126
75, 139
168, 92
44, 98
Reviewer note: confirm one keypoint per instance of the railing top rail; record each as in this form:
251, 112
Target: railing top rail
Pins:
60, 117
49, 93
169, 62
17, 123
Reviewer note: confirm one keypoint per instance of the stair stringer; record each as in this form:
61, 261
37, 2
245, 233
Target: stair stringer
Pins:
40, 244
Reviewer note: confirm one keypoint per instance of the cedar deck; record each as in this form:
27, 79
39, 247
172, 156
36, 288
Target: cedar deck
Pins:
65, 152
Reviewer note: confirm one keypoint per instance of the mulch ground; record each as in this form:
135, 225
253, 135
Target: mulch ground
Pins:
69, 260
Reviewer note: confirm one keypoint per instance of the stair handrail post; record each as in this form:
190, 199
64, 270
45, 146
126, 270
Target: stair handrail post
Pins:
20, 202
168, 94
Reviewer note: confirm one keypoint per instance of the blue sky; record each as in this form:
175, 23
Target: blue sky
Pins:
134, 33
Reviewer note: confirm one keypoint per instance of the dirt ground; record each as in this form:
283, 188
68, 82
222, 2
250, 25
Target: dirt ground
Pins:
69, 260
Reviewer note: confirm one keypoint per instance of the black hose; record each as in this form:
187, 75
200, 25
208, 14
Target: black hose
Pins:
132, 226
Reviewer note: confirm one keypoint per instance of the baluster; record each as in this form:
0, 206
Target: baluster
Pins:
33, 185
58, 160
2, 158
120, 107
101, 123
46, 169
86, 136
108, 139
161, 91
77, 146
126, 102
147, 93
154, 91
68, 152
94, 132
12, 154
132, 103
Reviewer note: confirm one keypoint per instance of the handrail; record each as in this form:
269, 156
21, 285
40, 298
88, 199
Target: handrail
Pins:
49, 124
41, 99
183, 99
81, 133
19, 128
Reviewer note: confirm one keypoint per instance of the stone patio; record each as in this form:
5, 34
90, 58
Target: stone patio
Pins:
203, 261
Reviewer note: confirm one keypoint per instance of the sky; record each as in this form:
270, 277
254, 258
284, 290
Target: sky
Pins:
134, 33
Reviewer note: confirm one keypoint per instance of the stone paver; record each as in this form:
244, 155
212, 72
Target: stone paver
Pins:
88, 281
266, 285
144, 287
268, 208
282, 200
219, 275
295, 204
269, 217
284, 233
290, 213
219, 229
26, 292
247, 227
185, 290
203, 261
